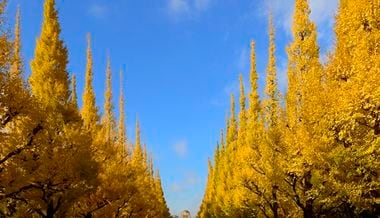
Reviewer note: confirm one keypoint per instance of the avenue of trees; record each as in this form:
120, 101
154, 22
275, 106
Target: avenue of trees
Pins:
58, 160
314, 150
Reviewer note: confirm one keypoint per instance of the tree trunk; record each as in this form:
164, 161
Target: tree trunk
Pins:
275, 203
50, 211
308, 210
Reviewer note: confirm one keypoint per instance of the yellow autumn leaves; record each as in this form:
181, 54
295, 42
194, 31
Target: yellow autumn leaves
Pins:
57, 160
319, 155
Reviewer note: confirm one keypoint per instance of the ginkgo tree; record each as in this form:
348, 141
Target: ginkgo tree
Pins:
318, 155
57, 160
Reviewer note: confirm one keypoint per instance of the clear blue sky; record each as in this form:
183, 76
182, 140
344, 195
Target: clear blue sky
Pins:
183, 58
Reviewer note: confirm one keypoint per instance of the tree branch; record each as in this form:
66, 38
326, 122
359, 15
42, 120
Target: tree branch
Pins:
34, 132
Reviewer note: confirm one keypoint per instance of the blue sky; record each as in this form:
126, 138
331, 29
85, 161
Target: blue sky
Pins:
182, 59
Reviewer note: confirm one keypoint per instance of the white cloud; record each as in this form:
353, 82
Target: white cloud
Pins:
180, 148
282, 76
282, 13
202, 5
224, 99
188, 180
177, 7
191, 178
232, 88
187, 8
322, 12
175, 187
98, 10
243, 59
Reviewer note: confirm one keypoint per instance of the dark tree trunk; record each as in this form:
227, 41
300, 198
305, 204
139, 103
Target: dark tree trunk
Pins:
88, 215
275, 203
308, 210
50, 211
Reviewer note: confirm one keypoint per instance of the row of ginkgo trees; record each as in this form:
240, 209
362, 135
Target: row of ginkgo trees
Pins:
319, 156
57, 160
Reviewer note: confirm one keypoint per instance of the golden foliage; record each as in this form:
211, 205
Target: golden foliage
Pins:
319, 156
56, 161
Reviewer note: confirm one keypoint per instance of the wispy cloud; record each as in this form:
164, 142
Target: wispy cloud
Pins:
243, 59
178, 7
175, 187
322, 12
98, 10
201, 5
180, 148
187, 191
187, 8
223, 100
282, 12
231, 88
282, 71
187, 180
191, 178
